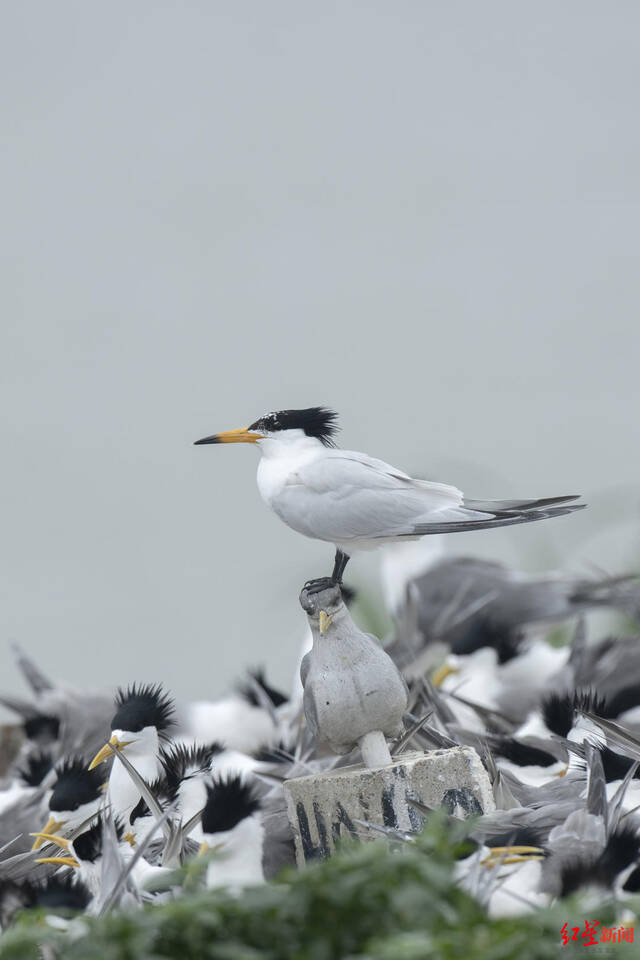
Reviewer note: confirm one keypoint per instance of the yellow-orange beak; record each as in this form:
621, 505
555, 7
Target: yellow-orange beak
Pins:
61, 861
324, 622
51, 826
52, 838
205, 848
231, 436
499, 856
108, 750
441, 674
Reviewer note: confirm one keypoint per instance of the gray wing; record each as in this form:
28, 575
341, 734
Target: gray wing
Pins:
344, 496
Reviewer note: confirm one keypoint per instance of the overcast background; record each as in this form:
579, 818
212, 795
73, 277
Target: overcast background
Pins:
423, 214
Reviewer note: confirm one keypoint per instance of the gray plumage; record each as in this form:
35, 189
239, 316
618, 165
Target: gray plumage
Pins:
351, 686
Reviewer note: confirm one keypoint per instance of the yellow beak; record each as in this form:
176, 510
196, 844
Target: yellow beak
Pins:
498, 856
108, 749
51, 838
325, 622
231, 436
441, 674
51, 826
61, 861
205, 848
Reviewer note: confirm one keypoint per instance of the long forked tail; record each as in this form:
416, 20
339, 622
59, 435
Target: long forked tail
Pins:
503, 513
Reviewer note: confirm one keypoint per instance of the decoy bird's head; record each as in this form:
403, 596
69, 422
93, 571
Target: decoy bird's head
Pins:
322, 602
143, 714
284, 428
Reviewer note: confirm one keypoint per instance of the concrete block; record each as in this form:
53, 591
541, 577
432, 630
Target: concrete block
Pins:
11, 738
324, 807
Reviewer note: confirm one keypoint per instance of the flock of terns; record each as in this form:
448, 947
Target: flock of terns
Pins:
108, 795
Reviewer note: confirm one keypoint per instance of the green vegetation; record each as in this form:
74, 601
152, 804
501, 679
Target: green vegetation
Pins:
371, 902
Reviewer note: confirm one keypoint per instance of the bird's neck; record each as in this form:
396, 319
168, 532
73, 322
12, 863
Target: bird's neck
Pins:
282, 458
123, 793
298, 447
240, 858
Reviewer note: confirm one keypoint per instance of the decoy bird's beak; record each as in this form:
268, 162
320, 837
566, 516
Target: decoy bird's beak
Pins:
441, 674
325, 621
232, 436
107, 751
52, 826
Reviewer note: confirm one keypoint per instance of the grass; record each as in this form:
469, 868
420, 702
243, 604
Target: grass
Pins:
369, 902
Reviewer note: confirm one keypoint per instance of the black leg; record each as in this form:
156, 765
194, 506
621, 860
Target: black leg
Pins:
341, 560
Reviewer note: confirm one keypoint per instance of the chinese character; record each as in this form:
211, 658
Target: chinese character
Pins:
564, 933
613, 935
589, 935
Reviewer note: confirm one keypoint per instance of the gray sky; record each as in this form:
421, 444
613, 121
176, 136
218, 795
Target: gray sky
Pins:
423, 214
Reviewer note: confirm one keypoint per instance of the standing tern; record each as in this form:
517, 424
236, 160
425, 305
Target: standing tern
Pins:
356, 502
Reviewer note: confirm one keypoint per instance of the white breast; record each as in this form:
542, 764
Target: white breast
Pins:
280, 460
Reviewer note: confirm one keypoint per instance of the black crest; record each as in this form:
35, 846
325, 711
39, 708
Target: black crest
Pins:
622, 850
632, 884
250, 694
557, 713
75, 785
523, 754
516, 836
559, 709
60, 893
88, 846
229, 800
146, 705
481, 632
615, 766
625, 699
180, 762
318, 422
34, 768
42, 727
